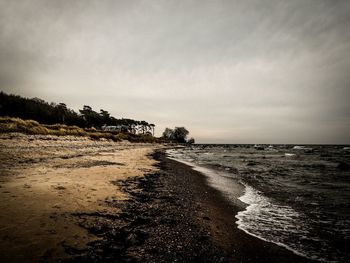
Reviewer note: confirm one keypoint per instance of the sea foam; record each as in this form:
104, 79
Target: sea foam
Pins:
270, 222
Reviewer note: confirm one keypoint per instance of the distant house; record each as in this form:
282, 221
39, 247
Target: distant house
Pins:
109, 128
118, 128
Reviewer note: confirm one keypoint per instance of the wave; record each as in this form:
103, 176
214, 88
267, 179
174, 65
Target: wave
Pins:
274, 223
291, 201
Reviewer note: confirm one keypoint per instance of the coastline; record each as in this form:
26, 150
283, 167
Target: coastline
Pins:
218, 215
174, 215
68, 199
232, 191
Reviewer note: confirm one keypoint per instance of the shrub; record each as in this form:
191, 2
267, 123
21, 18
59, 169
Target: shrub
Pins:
33, 127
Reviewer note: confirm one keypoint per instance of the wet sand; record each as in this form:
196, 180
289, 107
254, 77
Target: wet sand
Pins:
217, 215
45, 180
75, 200
173, 215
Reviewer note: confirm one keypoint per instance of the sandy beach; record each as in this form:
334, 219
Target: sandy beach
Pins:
174, 215
45, 180
174, 131
71, 199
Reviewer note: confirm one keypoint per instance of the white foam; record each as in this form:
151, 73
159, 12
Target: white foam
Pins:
250, 196
262, 218
289, 154
297, 147
271, 222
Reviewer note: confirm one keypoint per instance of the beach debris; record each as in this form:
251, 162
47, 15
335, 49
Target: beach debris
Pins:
59, 187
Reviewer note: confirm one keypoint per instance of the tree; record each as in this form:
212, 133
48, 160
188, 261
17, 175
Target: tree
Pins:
168, 134
105, 117
191, 141
144, 126
52, 113
91, 117
152, 128
61, 111
180, 134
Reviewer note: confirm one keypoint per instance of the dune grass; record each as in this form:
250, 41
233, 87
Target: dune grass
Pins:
24, 126
8, 125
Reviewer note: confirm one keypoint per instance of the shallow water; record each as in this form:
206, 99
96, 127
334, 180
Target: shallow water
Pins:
297, 197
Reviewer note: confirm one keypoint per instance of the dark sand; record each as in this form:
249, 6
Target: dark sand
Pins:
173, 216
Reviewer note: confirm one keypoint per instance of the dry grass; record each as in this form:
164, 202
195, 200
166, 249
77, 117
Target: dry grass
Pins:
62, 129
24, 126
8, 124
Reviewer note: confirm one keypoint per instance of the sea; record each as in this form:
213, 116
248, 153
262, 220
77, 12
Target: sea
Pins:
296, 196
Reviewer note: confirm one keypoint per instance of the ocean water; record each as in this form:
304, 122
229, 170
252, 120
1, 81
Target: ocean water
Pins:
296, 196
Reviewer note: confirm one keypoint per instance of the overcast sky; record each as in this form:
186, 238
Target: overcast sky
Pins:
229, 71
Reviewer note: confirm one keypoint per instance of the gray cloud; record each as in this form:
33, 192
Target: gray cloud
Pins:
230, 71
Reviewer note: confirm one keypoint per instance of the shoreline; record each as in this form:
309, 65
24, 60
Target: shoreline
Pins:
175, 215
232, 190
100, 201
222, 224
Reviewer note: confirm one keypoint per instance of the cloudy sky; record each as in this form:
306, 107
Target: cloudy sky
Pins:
229, 71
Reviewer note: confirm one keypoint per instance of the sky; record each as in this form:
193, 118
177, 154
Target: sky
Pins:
250, 71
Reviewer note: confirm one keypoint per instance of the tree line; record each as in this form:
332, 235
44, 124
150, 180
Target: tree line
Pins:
178, 134
52, 113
